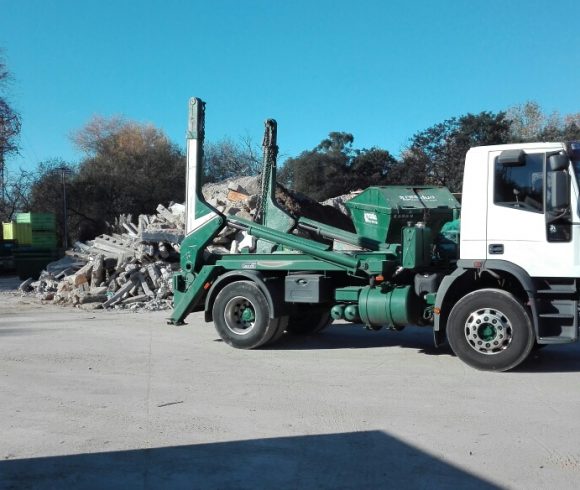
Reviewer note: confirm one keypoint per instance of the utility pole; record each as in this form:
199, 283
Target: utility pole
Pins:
2, 182
64, 170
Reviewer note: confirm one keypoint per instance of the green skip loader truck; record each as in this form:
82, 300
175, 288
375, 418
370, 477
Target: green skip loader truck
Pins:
495, 276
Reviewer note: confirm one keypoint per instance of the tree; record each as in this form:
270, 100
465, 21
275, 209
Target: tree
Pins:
46, 194
529, 123
322, 172
9, 118
226, 159
15, 193
129, 168
372, 167
436, 155
9, 131
571, 129
334, 167
337, 142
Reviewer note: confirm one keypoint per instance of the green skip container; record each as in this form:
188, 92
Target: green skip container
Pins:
37, 221
380, 213
30, 261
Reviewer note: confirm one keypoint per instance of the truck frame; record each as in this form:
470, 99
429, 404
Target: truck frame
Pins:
495, 276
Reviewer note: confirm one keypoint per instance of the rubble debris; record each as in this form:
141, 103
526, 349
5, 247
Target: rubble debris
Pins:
338, 201
122, 268
26, 285
133, 265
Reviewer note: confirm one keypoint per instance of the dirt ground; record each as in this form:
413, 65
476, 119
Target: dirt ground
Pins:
100, 399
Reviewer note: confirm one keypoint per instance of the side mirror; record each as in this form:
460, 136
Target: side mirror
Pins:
512, 158
559, 195
558, 161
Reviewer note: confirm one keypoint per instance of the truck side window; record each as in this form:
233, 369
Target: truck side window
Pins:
521, 187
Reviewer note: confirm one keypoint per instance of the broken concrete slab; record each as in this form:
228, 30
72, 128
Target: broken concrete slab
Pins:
136, 299
26, 285
119, 294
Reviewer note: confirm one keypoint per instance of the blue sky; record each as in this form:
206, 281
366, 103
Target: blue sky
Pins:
381, 70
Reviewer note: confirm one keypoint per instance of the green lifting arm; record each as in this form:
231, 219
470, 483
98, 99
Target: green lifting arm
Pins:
269, 213
202, 221
310, 247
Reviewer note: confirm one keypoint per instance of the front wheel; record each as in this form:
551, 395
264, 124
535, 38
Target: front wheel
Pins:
242, 317
490, 330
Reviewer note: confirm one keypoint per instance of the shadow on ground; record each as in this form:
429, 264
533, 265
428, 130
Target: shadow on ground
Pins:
554, 358
19, 331
351, 460
348, 336
564, 358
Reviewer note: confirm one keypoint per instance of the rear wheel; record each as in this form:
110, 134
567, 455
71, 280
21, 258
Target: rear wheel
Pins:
490, 329
242, 317
308, 321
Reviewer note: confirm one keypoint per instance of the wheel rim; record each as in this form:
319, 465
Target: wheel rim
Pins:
488, 331
240, 315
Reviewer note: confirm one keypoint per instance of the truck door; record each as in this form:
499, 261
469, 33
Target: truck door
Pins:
524, 225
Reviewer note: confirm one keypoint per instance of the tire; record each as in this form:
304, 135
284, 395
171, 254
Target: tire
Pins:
490, 330
310, 321
242, 317
282, 325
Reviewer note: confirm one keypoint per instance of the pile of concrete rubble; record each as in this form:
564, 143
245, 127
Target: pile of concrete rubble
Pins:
132, 266
130, 269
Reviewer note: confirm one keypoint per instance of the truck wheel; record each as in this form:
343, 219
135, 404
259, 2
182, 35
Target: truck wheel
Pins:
282, 325
241, 316
309, 321
490, 329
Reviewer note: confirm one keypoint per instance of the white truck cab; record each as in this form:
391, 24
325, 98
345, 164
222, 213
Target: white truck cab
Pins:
519, 253
509, 211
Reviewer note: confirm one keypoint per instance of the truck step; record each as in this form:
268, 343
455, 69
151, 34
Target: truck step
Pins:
556, 315
557, 319
553, 287
556, 291
556, 340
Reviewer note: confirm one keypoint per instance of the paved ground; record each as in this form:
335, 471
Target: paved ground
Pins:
95, 399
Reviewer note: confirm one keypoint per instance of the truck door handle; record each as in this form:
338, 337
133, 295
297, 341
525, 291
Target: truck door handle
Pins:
495, 248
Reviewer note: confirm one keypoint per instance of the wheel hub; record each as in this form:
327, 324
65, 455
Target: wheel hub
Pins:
488, 331
240, 315
248, 315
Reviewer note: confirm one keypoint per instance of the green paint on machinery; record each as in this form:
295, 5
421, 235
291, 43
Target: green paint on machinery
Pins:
380, 213
384, 305
380, 275
291, 275
269, 212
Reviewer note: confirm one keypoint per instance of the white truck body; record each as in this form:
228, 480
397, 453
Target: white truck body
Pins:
521, 231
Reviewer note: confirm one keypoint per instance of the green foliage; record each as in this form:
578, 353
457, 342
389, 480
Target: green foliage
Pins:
372, 167
322, 172
337, 142
436, 155
334, 168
